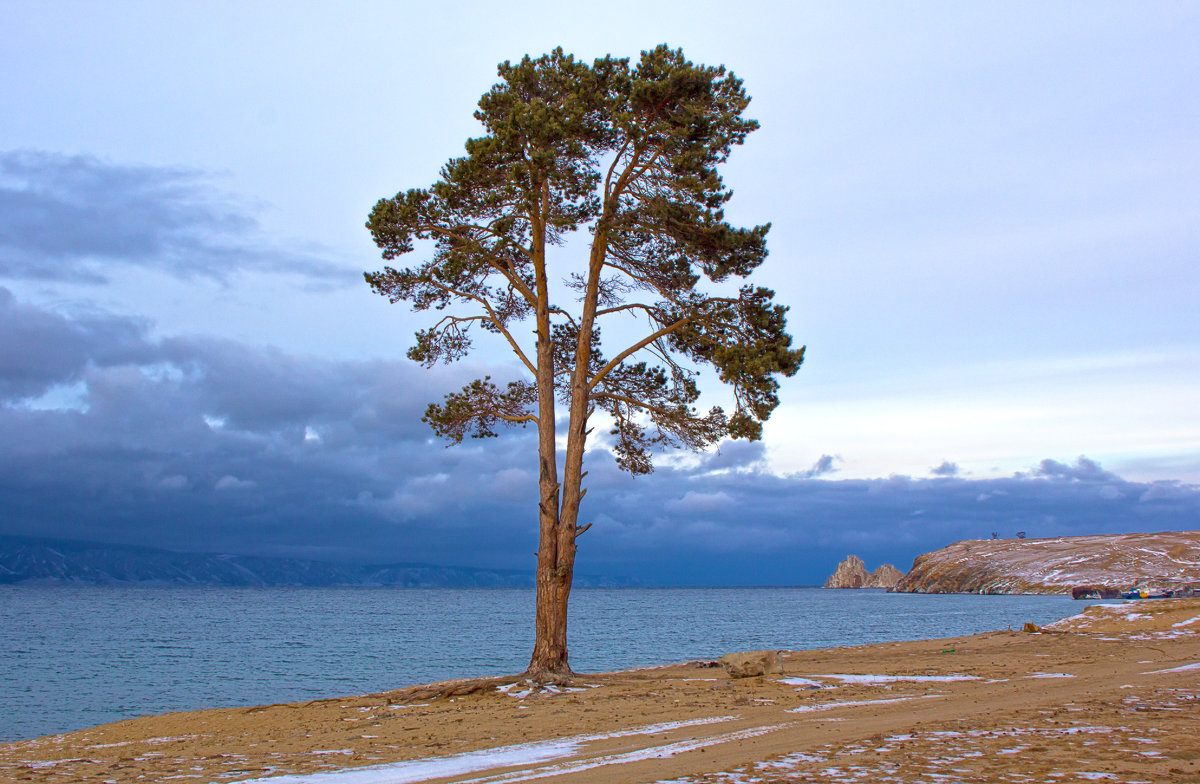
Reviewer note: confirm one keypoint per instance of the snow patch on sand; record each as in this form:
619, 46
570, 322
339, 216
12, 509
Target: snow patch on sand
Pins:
1050, 675
486, 759
666, 750
1181, 668
876, 679
804, 682
832, 705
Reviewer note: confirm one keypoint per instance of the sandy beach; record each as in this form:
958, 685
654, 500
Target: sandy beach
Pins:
1112, 694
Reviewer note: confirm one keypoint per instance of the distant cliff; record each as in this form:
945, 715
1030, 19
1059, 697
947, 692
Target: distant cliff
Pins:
1054, 566
852, 573
45, 561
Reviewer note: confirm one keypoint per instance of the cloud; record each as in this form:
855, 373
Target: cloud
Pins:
822, 467
42, 349
229, 482
1168, 491
793, 530
945, 469
694, 502
1084, 470
736, 455
73, 217
214, 436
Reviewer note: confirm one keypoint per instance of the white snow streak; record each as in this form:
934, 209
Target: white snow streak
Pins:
875, 679
475, 761
1182, 668
832, 705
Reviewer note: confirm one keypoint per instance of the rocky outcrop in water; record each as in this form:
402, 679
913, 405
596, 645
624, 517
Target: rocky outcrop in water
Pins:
852, 573
886, 576
1153, 562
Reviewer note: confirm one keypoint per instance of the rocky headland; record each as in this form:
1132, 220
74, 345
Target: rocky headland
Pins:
1123, 562
852, 573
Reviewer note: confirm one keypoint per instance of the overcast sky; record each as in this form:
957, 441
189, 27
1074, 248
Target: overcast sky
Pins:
984, 222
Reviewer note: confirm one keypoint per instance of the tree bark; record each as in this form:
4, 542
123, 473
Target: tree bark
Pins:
554, 587
549, 659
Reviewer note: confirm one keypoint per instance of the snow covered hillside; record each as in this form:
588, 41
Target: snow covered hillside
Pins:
1167, 560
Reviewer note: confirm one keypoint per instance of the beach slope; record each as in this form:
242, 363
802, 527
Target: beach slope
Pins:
1112, 694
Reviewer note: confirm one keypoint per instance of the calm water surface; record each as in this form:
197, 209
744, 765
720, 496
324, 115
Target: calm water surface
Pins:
76, 656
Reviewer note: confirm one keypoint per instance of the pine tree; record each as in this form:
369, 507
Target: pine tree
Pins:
629, 153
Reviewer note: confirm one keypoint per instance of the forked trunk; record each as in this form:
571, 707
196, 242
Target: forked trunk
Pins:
556, 548
556, 566
549, 660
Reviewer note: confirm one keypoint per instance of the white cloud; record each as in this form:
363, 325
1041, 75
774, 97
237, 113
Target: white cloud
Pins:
694, 502
230, 482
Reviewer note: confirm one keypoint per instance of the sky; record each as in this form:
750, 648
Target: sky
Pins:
983, 222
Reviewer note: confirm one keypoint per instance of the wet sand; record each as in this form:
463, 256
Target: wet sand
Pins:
1111, 695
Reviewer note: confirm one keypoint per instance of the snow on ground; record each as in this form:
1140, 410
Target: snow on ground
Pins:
831, 705
666, 750
803, 682
489, 759
878, 679
1152, 561
976, 754
1182, 668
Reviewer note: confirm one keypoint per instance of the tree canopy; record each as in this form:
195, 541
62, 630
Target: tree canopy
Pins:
628, 153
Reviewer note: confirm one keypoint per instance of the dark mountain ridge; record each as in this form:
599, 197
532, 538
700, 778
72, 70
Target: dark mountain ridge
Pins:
30, 560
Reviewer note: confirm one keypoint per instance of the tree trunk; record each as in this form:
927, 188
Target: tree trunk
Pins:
549, 659
557, 546
556, 564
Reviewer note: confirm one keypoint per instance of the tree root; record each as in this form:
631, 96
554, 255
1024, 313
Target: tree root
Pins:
544, 676
452, 688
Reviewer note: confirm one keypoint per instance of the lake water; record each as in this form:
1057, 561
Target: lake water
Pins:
76, 656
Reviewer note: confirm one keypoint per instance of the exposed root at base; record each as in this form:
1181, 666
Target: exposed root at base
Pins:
546, 677
454, 688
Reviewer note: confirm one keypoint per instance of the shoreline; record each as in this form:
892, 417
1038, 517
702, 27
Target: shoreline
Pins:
1109, 692
277, 646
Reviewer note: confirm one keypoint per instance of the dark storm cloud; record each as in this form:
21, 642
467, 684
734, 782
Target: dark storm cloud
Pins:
68, 217
200, 444
764, 528
40, 348
188, 443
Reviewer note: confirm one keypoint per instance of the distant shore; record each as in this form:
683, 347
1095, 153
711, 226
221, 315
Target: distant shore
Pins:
1111, 692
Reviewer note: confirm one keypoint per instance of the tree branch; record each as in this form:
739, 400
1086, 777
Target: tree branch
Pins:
629, 401
636, 347
492, 318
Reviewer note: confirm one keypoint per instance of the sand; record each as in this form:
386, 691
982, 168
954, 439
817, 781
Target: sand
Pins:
1111, 695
